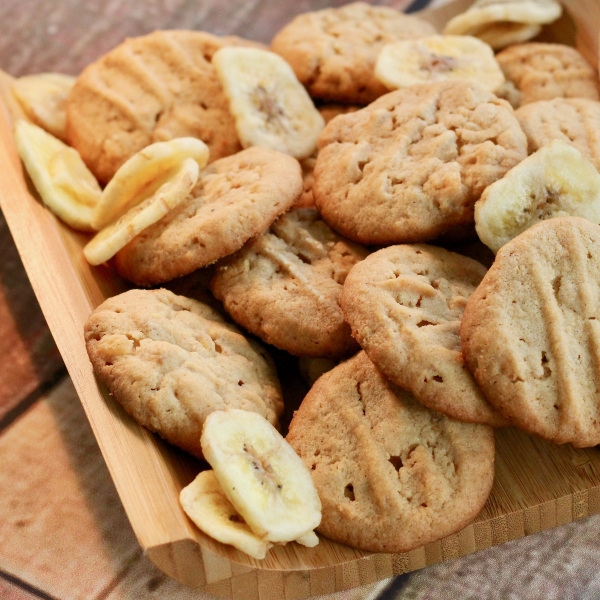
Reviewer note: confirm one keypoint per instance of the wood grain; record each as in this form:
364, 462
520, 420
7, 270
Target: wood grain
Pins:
58, 42
537, 485
29, 355
67, 497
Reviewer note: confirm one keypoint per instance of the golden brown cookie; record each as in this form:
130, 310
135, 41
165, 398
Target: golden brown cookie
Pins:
531, 331
333, 51
284, 286
149, 89
391, 474
572, 120
546, 71
171, 361
410, 166
404, 304
235, 198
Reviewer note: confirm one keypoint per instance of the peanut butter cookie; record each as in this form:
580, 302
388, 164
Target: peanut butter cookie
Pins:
547, 71
531, 335
410, 166
150, 89
284, 285
404, 304
391, 474
171, 361
235, 198
572, 120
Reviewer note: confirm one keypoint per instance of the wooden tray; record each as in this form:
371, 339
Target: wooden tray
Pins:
537, 485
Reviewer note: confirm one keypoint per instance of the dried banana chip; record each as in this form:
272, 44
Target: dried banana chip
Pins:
206, 504
143, 171
43, 97
503, 22
500, 35
150, 207
555, 181
64, 183
262, 476
438, 58
270, 106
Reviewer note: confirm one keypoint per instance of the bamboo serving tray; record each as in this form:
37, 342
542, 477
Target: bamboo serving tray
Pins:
537, 485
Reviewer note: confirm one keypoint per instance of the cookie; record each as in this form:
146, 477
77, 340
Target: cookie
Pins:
149, 89
171, 361
546, 71
572, 120
530, 331
404, 304
284, 286
391, 474
333, 51
235, 198
410, 166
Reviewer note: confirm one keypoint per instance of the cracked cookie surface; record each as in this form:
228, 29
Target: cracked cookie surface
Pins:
546, 71
531, 335
404, 304
284, 285
150, 89
391, 474
410, 166
234, 199
171, 361
333, 51
572, 120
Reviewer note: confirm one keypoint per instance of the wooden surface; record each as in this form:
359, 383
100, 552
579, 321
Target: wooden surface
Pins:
63, 532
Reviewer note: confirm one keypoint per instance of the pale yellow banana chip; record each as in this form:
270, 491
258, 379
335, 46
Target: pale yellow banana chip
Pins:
500, 35
205, 503
64, 183
143, 171
43, 97
153, 206
492, 20
555, 181
262, 476
270, 106
438, 58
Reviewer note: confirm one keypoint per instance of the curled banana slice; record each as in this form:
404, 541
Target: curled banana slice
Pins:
555, 181
65, 185
150, 207
270, 106
207, 506
501, 35
438, 58
143, 171
503, 22
42, 97
262, 476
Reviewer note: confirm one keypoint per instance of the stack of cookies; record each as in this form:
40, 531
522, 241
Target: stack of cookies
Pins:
340, 188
